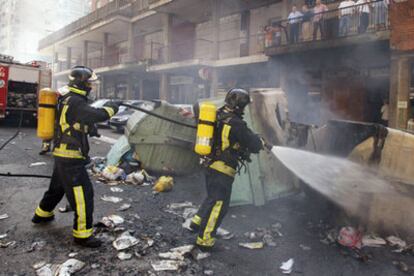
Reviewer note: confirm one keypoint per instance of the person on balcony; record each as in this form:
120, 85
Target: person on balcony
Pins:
306, 23
294, 19
346, 10
363, 11
319, 19
380, 14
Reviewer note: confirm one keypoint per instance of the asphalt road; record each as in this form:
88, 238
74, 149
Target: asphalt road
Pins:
304, 223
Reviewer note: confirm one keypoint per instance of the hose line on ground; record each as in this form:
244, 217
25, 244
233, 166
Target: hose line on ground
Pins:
25, 175
17, 132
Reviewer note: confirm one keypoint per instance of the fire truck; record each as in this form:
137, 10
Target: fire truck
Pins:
20, 85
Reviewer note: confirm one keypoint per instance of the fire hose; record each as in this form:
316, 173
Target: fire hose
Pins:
126, 105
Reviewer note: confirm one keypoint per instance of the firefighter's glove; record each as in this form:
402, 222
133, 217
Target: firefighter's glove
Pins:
266, 146
93, 131
114, 105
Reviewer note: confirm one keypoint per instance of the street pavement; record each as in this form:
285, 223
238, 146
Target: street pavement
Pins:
304, 222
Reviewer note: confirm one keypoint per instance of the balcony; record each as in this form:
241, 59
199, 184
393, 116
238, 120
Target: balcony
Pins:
334, 28
125, 8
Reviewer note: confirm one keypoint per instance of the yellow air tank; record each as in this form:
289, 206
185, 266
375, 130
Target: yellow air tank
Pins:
205, 128
46, 114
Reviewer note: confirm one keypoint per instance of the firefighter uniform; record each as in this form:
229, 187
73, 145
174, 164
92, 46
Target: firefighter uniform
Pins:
233, 142
71, 149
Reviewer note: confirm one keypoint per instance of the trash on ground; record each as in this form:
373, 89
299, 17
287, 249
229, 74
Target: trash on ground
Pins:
65, 209
208, 272
189, 212
350, 237
95, 266
2, 236
113, 173
224, 234
174, 206
139, 178
304, 247
72, 254
36, 164
164, 184
166, 265
401, 266
373, 241
70, 267
4, 216
202, 255
116, 190
111, 221
276, 229
112, 199
124, 207
252, 245
186, 224
47, 270
124, 256
397, 242
38, 265
177, 253
36, 245
268, 240
287, 266
7, 244
124, 241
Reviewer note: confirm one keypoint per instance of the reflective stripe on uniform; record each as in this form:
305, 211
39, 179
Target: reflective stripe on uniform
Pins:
109, 110
225, 133
62, 151
77, 91
196, 220
82, 234
81, 231
220, 166
207, 240
62, 120
43, 213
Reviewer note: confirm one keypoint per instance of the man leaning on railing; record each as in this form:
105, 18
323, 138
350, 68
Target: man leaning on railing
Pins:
318, 19
346, 10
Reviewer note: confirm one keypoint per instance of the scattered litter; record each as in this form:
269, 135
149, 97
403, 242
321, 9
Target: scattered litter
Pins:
208, 272
401, 266
36, 245
350, 237
4, 216
116, 219
189, 212
124, 256
224, 234
304, 247
166, 265
136, 178
252, 245
186, 224
124, 241
113, 173
70, 266
287, 266
136, 216
202, 255
112, 199
36, 164
116, 190
65, 209
124, 207
177, 253
95, 266
7, 244
373, 241
397, 242
276, 228
38, 265
233, 216
47, 270
268, 240
72, 254
150, 242
164, 184
2, 236
182, 205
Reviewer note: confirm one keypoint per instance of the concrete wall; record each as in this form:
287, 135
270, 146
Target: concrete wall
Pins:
230, 36
204, 38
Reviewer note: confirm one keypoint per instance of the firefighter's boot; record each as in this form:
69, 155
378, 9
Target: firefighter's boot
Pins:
38, 219
45, 148
90, 242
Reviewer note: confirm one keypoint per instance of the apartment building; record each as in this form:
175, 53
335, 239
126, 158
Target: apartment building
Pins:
182, 50
24, 22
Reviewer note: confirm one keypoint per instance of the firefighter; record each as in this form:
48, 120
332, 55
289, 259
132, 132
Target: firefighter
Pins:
70, 152
233, 143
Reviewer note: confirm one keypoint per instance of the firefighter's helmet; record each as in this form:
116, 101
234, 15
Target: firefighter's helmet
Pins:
237, 99
81, 77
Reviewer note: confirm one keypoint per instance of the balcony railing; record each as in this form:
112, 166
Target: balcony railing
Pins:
350, 21
114, 8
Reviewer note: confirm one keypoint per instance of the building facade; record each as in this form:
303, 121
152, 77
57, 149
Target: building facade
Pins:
24, 22
183, 50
